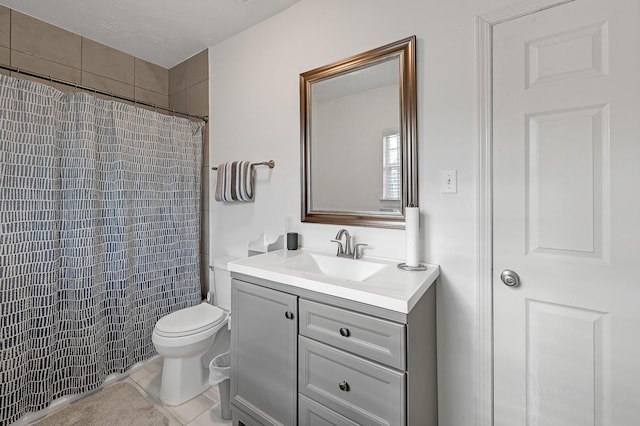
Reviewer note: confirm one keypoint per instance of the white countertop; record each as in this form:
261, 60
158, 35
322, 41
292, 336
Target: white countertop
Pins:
391, 288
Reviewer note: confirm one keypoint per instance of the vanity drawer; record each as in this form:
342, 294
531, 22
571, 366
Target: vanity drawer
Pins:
310, 413
374, 338
363, 391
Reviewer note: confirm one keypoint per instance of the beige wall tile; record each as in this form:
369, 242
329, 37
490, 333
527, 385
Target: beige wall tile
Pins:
106, 61
5, 26
198, 98
197, 68
151, 77
204, 199
107, 85
144, 95
60, 87
205, 146
177, 78
110, 98
5, 56
178, 101
45, 67
205, 285
35, 37
204, 233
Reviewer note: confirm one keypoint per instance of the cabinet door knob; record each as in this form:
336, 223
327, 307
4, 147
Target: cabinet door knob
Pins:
288, 315
344, 332
344, 386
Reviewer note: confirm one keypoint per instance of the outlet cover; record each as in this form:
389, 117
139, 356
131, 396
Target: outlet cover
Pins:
288, 224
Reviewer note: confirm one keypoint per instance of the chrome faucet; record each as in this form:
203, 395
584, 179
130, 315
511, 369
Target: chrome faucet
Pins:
344, 250
347, 249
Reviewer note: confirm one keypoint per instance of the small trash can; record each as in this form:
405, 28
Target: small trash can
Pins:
219, 370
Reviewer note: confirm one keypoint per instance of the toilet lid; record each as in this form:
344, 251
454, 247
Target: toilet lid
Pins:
190, 320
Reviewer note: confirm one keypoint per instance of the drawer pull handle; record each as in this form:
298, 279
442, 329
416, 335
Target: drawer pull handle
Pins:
288, 315
344, 386
344, 332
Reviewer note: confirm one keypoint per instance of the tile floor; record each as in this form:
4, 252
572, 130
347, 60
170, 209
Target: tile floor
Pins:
203, 410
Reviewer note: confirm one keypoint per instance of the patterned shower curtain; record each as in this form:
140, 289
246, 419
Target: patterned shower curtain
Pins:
99, 237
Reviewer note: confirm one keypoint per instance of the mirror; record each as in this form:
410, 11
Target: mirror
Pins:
358, 138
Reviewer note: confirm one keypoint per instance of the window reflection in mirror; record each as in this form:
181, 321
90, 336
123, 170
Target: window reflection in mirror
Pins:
391, 173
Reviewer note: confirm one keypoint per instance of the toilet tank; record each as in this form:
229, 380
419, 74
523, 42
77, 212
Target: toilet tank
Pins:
222, 282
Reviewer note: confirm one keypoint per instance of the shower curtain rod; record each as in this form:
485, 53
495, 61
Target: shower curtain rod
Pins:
96, 91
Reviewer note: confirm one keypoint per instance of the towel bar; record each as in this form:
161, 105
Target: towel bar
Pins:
269, 163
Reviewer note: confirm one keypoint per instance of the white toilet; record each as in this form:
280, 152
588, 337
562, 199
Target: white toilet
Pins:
184, 337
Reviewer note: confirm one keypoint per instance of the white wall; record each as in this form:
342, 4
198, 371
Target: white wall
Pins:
254, 101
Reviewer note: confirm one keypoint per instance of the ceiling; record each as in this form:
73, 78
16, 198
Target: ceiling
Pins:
164, 32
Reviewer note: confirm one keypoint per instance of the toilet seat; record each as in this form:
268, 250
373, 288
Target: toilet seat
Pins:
189, 321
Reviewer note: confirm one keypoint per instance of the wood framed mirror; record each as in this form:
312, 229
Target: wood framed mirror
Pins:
358, 138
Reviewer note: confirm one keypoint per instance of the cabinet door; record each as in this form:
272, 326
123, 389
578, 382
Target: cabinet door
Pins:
263, 353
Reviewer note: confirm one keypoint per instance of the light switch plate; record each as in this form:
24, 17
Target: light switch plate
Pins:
449, 182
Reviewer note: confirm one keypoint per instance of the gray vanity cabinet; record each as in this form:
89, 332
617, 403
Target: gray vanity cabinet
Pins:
305, 358
264, 356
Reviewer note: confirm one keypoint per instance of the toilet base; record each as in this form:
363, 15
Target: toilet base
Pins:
182, 380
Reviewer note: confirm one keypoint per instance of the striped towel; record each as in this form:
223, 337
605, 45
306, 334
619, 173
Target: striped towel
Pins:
235, 181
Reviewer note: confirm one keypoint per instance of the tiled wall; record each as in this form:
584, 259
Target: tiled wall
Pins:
37, 46
189, 92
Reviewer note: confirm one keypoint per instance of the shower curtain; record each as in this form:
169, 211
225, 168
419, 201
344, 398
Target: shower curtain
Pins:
99, 237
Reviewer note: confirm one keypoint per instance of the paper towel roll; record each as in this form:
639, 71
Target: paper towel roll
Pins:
412, 235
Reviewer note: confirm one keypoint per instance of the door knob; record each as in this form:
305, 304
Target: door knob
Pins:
510, 278
288, 315
344, 332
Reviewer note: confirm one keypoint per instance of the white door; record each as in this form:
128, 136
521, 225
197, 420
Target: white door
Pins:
566, 182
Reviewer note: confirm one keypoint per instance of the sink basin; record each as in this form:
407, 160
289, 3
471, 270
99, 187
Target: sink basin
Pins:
333, 266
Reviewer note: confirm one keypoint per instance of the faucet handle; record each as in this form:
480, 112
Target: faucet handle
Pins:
340, 246
355, 250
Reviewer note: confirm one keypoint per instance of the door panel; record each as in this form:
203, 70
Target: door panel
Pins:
565, 351
566, 210
567, 55
567, 149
